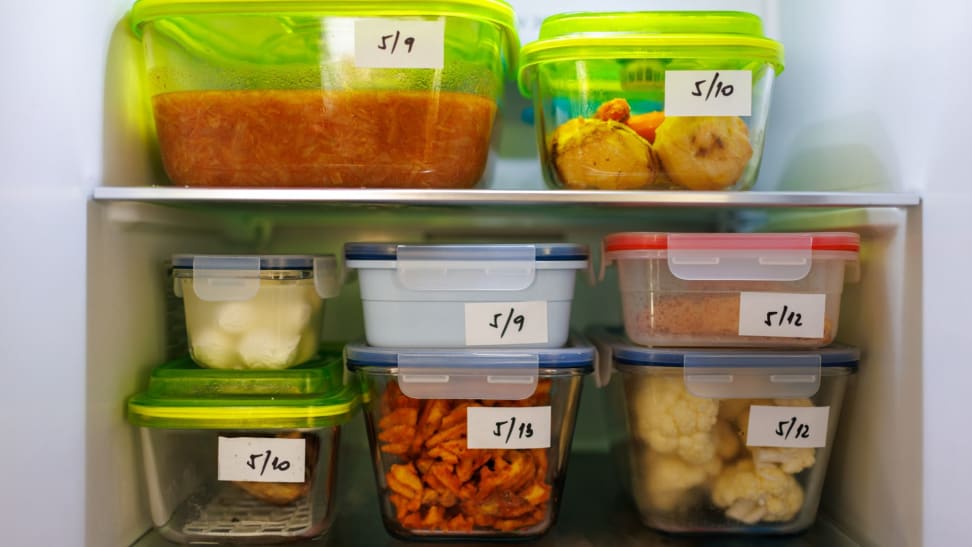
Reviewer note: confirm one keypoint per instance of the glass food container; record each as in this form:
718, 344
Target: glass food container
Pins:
724, 440
379, 93
466, 295
236, 457
254, 312
470, 444
770, 290
651, 100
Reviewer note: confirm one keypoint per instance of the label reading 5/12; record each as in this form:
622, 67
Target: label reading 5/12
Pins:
508, 427
506, 323
397, 43
791, 315
708, 93
788, 426
261, 459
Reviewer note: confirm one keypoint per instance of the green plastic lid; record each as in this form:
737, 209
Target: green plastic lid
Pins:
710, 35
496, 12
182, 395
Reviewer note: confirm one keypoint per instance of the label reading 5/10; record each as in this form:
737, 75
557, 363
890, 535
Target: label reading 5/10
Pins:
708, 93
506, 323
397, 43
261, 459
791, 315
508, 427
788, 426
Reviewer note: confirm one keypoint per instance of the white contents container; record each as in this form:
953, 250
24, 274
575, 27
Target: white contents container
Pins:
724, 440
450, 296
254, 312
770, 290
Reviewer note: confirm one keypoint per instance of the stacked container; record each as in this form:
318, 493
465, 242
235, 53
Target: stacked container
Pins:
724, 415
471, 392
651, 100
240, 440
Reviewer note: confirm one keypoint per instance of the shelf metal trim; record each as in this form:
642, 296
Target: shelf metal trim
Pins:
333, 196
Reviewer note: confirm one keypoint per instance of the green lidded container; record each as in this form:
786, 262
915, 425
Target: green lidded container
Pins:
229, 455
651, 100
252, 92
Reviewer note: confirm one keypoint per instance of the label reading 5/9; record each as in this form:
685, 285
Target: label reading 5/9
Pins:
508, 427
506, 323
788, 426
708, 93
399, 43
261, 459
791, 315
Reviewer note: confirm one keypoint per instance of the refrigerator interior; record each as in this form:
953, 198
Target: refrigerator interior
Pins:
88, 321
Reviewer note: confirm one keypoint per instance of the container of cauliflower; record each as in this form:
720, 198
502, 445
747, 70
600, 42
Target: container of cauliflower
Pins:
651, 100
725, 441
254, 312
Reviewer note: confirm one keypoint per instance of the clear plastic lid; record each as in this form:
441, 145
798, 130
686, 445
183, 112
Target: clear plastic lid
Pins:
716, 38
220, 278
727, 373
501, 374
183, 395
730, 256
541, 252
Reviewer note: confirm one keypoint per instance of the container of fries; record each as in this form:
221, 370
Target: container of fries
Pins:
470, 444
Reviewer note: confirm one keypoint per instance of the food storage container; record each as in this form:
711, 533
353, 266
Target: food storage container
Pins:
651, 100
775, 290
254, 312
725, 440
385, 93
470, 443
242, 457
466, 295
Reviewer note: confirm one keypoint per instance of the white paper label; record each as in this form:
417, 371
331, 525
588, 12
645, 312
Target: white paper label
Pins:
399, 43
506, 323
508, 427
782, 314
708, 93
788, 426
261, 459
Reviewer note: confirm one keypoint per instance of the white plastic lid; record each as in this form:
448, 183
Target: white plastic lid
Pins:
470, 374
227, 278
724, 373
485, 267
736, 257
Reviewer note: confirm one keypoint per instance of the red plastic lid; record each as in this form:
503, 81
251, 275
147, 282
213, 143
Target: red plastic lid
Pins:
659, 241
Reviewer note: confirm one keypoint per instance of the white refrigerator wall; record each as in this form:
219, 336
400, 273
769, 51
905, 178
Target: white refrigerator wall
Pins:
873, 97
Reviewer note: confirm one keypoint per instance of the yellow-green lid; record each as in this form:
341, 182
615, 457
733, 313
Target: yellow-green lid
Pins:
496, 12
708, 35
182, 395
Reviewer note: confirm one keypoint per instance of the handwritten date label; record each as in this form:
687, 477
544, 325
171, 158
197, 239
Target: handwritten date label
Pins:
508, 427
788, 426
782, 314
261, 459
506, 323
395, 43
708, 93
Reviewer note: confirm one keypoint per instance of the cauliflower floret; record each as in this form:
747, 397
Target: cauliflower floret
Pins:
726, 440
751, 494
667, 480
672, 420
790, 460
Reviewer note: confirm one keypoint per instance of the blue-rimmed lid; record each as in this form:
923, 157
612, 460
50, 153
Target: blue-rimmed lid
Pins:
494, 374
228, 278
832, 356
542, 252
266, 262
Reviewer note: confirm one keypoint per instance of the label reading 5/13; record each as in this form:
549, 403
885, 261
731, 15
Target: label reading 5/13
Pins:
506, 323
788, 426
708, 93
508, 427
790, 315
261, 459
397, 43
